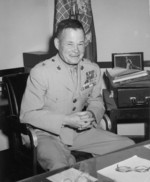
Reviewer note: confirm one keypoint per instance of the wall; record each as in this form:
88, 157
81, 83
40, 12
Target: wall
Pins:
26, 25
122, 26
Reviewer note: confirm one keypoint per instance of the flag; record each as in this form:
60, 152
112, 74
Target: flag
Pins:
81, 10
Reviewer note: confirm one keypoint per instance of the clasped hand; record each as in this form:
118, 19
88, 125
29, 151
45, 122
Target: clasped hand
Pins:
79, 120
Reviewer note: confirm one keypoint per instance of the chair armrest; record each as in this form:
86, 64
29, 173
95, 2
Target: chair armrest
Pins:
23, 128
26, 129
106, 123
31, 133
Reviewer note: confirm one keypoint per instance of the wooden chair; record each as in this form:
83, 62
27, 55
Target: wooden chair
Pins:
15, 85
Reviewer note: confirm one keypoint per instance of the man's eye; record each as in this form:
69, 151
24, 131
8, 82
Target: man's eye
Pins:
82, 44
70, 44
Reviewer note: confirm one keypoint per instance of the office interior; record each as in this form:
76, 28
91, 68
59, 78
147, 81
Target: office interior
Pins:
121, 26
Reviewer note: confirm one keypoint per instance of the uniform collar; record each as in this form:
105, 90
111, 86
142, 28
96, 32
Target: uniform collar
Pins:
68, 66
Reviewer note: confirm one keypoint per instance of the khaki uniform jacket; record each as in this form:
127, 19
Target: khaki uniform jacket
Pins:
50, 95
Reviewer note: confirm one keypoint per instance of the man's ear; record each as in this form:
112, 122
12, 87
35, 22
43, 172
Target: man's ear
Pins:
56, 43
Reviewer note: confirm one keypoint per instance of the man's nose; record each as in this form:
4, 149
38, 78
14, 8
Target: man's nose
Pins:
76, 49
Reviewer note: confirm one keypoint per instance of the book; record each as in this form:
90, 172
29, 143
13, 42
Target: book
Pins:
130, 76
122, 76
117, 71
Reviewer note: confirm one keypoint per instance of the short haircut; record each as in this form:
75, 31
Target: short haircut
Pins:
68, 23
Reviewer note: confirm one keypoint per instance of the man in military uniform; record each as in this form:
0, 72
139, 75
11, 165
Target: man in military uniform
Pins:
57, 91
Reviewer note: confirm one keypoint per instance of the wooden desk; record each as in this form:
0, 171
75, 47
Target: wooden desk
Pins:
95, 164
127, 116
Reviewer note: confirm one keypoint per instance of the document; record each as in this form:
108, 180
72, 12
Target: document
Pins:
131, 76
117, 71
72, 175
132, 169
119, 75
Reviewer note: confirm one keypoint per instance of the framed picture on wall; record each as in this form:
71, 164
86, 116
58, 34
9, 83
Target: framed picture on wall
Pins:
132, 60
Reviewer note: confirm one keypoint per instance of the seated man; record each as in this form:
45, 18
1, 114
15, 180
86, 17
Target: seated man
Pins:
57, 91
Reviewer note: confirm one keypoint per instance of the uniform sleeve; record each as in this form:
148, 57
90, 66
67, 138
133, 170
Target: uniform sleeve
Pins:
95, 101
32, 107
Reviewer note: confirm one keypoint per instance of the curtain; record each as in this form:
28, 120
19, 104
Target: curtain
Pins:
81, 10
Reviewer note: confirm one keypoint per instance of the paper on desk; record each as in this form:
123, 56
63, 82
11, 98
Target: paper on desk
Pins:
147, 146
128, 176
70, 175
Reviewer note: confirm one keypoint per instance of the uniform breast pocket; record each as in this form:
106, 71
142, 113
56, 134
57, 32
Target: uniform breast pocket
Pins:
57, 96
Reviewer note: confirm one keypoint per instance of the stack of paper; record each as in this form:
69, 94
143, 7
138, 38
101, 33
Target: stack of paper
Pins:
130, 76
119, 75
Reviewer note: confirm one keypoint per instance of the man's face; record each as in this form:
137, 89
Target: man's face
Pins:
71, 45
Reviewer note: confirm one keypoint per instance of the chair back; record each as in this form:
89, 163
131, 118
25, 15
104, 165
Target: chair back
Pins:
15, 86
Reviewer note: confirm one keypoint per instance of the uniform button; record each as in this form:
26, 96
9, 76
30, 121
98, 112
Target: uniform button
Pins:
74, 108
74, 100
58, 67
82, 67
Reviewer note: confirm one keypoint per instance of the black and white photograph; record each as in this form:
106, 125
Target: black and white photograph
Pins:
74, 90
128, 60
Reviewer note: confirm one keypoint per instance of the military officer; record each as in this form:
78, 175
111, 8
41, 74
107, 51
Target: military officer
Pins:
63, 100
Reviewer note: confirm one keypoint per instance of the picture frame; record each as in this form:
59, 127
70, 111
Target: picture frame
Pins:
131, 60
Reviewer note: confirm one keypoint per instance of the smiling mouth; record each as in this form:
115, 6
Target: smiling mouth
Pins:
74, 56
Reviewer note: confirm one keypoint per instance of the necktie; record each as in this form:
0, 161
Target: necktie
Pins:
74, 76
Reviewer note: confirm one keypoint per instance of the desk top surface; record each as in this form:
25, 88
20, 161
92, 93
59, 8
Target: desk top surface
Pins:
97, 163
